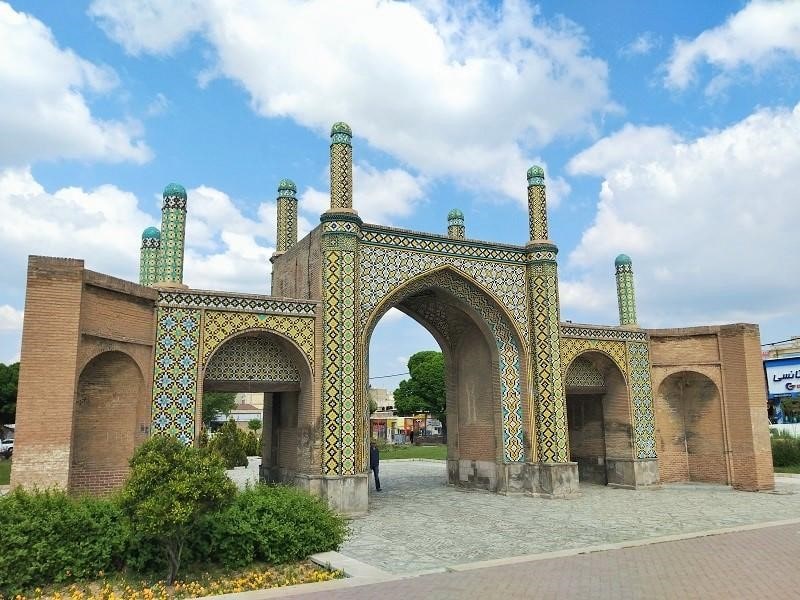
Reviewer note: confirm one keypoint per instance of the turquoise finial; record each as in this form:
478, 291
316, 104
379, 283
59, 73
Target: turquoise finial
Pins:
287, 188
175, 190
622, 259
455, 215
536, 175
151, 233
341, 133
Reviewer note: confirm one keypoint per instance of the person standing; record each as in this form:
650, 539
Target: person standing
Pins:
374, 461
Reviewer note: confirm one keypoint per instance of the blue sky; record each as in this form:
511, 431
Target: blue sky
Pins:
669, 131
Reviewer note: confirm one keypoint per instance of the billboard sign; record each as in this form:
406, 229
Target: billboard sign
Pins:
783, 376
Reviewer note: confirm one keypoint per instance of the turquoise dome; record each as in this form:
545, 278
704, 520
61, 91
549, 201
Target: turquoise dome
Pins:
535, 171
151, 233
287, 185
622, 259
455, 214
175, 189
341, 127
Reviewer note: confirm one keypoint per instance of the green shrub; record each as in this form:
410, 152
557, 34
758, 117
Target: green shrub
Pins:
273, 524
785, 450
50, 537
170, 488
231, 444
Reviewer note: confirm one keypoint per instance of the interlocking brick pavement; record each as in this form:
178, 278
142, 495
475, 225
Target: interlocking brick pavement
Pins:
760, 563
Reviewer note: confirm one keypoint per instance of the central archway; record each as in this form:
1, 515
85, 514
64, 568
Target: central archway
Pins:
484, 371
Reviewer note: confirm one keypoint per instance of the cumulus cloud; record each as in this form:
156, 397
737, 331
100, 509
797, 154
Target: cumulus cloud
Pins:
757, 36
10, 318
642, 45
44, 114
467, 91
709, 222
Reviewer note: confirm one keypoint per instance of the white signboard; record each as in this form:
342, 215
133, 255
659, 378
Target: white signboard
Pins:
783, 376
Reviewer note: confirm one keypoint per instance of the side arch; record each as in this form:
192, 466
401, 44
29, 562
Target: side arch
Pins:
112, 414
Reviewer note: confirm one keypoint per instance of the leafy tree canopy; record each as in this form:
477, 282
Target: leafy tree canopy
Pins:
425, 390
217, 403
9, 379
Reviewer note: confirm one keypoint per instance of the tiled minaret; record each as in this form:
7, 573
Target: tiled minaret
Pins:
455, 224
626, 297
287, 216
148, 257
552, 445
344, 399
173, 232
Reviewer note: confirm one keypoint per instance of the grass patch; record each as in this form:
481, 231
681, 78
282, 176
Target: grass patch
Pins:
195, 585
788, 469
5, 471
437, 452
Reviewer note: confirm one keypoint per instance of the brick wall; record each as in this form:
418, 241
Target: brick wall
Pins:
710, 403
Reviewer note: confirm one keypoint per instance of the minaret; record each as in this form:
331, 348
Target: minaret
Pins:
455, 224
148, 257
287, 216
344, 411
552, 445
341, 167
626, 297
173, 231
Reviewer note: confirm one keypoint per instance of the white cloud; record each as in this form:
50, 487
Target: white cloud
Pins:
643, 44
761, 33
450, 89
379, 196
10, 318
710, 223
43, 112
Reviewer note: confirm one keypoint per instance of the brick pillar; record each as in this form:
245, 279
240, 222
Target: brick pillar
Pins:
148, 257
745, 407
558, 476
48, 373
344, 434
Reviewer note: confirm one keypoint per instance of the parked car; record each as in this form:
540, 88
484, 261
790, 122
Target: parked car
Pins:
6, 448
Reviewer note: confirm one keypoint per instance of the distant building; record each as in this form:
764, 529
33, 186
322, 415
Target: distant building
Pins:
782, 371
384, 399
242, 414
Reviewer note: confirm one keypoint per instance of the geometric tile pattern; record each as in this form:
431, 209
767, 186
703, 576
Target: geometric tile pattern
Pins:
173, 230
384, 269
247, 358
331, 365
505, 339
614, 349
551, 417
148, 261
641, 391
218, 326
411, 240
537, 209
236, 302
341, 176
457, 232
602, 333
583, 373
287, 223
626, 298
175, 373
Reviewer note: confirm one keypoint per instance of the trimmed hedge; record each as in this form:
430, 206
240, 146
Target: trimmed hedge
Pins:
49, 537
785, 450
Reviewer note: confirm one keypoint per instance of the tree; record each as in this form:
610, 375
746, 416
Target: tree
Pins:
373, 406
230, 444
217, 403
425, 391
254, 424
9, 380
170, 487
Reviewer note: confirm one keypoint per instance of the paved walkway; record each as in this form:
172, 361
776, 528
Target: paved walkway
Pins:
749, 565
418, 523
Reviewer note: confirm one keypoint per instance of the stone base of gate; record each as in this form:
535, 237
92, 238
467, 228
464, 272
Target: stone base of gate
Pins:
551, 480
346, 494
476, 474
632, 473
